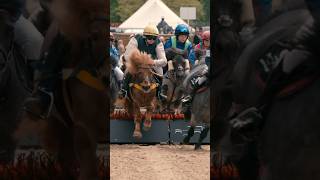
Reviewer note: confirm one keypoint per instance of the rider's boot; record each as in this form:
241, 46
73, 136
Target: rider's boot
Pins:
161, 97
196, 83
123, 93
41, 101
248, 123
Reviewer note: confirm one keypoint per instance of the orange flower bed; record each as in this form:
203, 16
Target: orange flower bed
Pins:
224, 173
34, 167
125, 116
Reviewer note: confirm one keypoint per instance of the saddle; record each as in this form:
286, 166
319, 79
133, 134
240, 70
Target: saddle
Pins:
301, 77
271, 59
197, 71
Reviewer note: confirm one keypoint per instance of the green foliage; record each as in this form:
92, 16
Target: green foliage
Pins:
114, 17
206, 10
127, 7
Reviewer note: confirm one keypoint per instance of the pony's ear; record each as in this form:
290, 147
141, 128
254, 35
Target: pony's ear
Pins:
169, 53
134, 56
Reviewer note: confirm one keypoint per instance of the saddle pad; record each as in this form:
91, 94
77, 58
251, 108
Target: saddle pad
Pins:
292, 87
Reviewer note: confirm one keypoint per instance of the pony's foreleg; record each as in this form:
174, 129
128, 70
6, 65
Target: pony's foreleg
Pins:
85, 149
177, 103
147, 122
166, 90
190, 134
137, 123
203, 135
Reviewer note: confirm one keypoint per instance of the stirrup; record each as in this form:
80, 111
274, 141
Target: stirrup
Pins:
247, 117
186, 99
194, 81
246, 125
44, 114
49, 109
162, 97
123, 93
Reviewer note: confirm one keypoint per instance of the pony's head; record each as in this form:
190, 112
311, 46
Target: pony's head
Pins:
140, 66
178, 57
83, 22
76, 18
139, 61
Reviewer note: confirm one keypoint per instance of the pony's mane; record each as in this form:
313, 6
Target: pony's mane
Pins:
172, 52
137, 59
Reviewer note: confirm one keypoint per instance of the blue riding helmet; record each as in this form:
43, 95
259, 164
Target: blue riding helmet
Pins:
181, 29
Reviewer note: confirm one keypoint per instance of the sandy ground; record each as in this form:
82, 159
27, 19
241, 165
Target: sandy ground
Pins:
159, 162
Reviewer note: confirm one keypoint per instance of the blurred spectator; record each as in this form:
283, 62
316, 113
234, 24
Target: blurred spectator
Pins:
197, 36
120, 47
163, 27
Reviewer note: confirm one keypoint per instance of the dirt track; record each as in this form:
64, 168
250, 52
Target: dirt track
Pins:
159, 162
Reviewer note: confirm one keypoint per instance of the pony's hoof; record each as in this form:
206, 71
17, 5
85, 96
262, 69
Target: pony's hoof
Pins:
146, 128
185, 141
197, 147
137, 135
147, 125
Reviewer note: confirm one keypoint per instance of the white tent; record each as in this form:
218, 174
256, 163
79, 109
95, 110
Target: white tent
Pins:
150, 13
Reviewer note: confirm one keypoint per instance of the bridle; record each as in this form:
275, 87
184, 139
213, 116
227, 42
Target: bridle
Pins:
91, 40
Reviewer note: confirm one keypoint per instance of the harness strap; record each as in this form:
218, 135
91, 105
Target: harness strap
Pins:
296, 86
137, 86
202, 89
90, 80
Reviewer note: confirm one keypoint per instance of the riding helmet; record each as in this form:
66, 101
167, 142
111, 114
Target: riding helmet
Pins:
150, 30
181, 29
